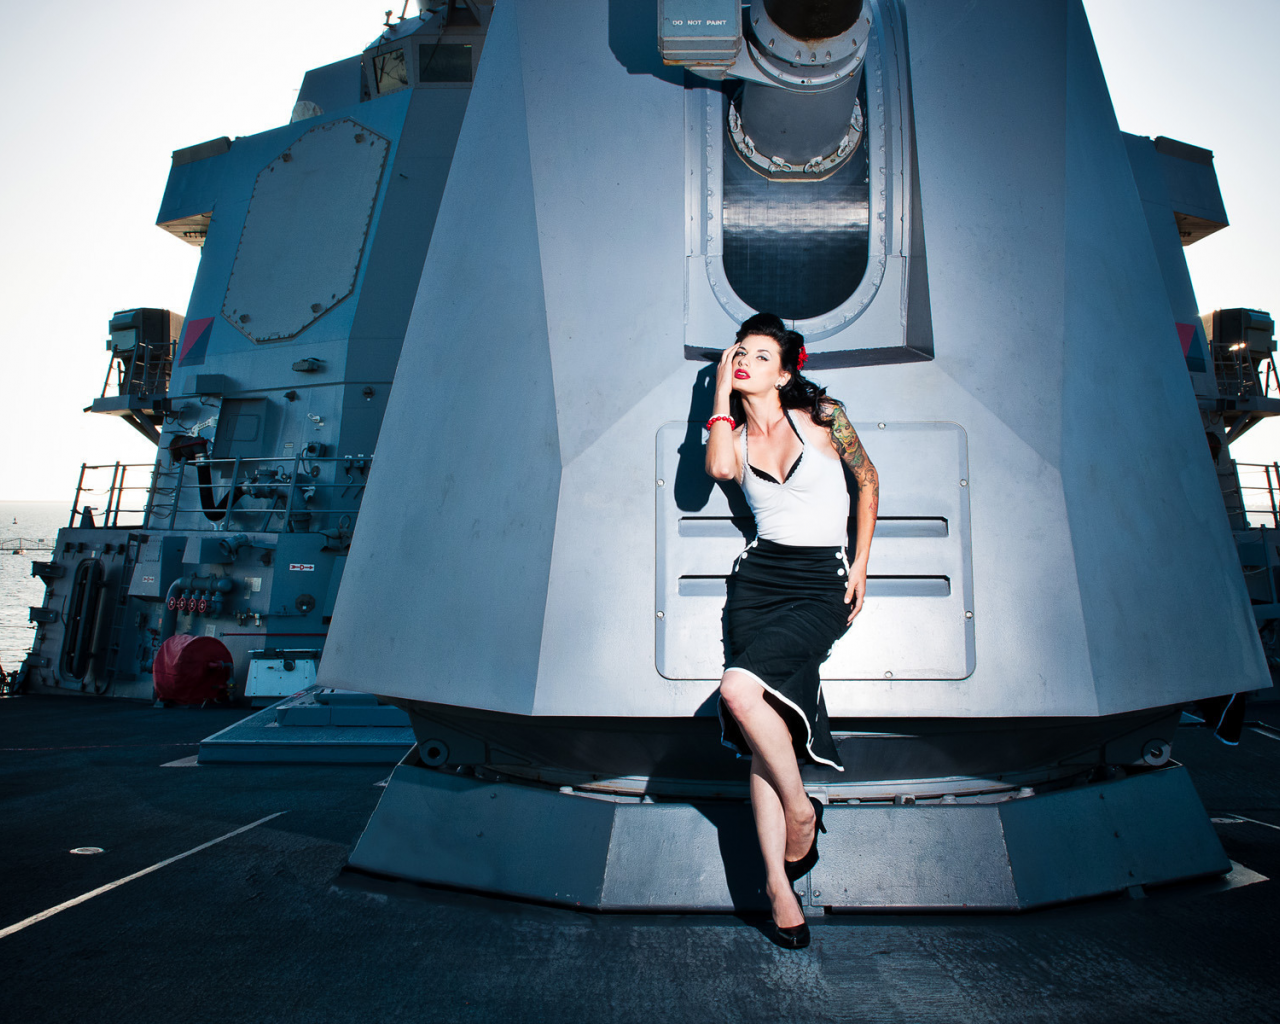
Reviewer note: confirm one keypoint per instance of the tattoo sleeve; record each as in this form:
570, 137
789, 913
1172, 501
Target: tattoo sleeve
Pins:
852, 453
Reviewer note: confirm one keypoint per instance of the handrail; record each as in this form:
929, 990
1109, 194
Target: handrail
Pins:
290, 483
26, 543
1260, 501
141, 379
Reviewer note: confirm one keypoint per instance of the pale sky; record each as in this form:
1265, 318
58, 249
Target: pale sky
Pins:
100, 93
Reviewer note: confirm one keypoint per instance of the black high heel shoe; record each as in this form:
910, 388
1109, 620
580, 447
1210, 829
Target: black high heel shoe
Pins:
799, 868
795, 937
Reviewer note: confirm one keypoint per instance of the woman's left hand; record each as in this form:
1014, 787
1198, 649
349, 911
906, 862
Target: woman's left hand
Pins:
856, 592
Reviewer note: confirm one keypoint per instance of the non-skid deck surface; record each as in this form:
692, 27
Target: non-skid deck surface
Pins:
265, 926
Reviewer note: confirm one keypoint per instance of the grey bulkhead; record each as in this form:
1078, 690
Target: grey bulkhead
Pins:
538, 540
316, 233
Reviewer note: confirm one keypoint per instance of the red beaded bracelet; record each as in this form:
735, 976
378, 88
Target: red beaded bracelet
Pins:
727, 419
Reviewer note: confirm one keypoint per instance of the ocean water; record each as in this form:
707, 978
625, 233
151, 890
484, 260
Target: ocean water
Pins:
38, 522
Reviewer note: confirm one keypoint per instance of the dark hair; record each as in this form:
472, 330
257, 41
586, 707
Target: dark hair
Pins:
799, 392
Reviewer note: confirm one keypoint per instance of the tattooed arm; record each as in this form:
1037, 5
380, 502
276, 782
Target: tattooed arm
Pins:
848, 446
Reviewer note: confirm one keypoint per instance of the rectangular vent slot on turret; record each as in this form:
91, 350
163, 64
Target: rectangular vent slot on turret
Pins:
702, 586
877, 586
737, 527
910, 526
743, 527
908, 586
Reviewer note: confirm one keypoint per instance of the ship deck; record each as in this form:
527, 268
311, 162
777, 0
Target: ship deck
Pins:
265, 925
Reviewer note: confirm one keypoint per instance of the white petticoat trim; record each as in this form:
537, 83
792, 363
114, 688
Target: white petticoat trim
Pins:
808, 730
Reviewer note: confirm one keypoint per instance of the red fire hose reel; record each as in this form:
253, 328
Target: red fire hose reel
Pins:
192, 670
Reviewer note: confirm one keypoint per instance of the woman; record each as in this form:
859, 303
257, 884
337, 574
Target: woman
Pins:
793, 592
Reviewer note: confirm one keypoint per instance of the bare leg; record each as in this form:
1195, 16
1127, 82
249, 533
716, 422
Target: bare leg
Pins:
784, 817
771, 828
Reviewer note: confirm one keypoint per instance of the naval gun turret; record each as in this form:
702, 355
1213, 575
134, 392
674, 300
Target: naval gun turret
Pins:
1052, 576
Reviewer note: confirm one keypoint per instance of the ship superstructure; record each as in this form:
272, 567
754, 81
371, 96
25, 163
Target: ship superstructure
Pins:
266, 399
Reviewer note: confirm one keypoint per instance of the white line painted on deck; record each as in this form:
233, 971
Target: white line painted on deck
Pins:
1255, 821
5, 932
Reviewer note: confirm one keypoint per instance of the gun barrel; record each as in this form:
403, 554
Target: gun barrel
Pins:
814, 20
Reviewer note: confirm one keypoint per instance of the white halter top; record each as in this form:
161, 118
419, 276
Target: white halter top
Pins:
810, 508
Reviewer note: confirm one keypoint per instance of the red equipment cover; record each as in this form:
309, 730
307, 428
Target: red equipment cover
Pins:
192, 669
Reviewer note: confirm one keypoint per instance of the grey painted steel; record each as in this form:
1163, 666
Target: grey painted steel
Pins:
801, 128
889, 302
699, 31
798, 248
1021, 853
575, 850
287, 427
1096, 524
884, 758
335, 167
313, 727
584, 851
1153, 175
1056, 525
331, 87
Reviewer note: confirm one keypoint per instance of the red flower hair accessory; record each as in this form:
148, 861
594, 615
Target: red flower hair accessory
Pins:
802, 358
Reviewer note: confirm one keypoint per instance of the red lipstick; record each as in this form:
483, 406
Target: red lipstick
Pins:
741, 374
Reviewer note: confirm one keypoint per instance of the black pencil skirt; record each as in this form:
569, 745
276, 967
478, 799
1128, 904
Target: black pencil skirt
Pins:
785, 609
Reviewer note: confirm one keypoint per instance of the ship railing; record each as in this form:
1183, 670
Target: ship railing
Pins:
1270, 379
1241, 373
1260, 492
100, 499
142, 370
205, 493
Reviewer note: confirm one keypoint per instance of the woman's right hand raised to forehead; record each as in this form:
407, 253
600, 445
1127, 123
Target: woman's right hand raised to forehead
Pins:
722, 452
724, 372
